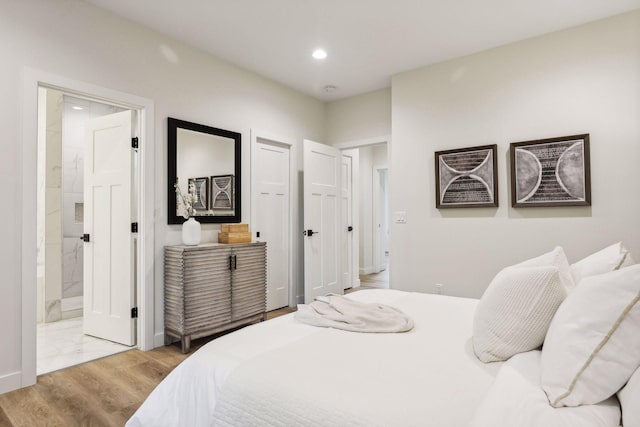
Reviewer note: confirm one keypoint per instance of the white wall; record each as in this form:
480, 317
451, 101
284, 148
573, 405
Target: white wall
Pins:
582, 80
78, 41
359, 117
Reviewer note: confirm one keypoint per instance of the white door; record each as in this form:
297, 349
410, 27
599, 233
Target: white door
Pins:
272, 222
322, 220
347, 221
108, 253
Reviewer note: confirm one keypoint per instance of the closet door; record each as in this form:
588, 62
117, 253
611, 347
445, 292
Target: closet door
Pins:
248, 281
207, 295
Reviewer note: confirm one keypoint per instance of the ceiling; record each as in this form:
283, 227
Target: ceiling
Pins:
367, 41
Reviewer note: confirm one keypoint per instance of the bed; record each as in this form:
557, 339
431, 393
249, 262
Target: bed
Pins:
283, 372
559, 346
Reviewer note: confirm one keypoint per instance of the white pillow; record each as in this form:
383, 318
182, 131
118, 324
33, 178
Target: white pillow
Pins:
630, 401
608, 259
515, 311
556, 258
593, 344
516, 399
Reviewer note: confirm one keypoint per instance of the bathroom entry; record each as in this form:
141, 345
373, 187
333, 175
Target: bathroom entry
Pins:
85, 189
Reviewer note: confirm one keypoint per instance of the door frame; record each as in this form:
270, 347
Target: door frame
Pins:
31, 80
257, 134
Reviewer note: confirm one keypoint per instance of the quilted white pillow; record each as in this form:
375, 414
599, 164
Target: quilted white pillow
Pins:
515, 311
608, 259
558, 259
593, 344
630, 401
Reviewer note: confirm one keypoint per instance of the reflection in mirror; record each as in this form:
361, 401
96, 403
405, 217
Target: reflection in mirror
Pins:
204, 163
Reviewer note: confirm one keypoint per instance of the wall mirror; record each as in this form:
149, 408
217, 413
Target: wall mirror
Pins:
203, 161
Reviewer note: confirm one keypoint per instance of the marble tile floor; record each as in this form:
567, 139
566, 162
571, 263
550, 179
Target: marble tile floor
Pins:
62, 344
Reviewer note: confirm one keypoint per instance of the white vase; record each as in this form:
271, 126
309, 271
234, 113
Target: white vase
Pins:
191, 232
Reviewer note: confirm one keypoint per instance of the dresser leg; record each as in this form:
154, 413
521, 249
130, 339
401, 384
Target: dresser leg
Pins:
186, 344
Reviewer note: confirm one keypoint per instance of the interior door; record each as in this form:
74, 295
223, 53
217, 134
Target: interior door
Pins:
108, 247
322, 220
347, 221
272, 216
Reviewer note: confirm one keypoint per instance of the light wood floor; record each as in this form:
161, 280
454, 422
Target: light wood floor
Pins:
376, 280
105, 392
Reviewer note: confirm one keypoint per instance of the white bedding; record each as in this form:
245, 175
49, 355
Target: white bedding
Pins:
282, 372
517, 399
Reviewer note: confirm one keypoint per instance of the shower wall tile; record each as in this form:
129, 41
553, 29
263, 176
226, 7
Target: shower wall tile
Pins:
54, 110
40, 298
72, 267
53, 168
73, 289
73, 169
71, 227
52, 311
53, 271
72, 260
53, 216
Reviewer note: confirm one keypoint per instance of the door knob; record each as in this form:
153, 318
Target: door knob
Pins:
310, 233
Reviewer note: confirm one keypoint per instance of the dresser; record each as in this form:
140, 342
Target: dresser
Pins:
213, 287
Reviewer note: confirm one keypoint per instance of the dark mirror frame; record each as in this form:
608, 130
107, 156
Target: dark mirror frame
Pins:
172, 175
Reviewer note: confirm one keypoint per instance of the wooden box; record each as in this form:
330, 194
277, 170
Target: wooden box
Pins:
234, 237
234, 228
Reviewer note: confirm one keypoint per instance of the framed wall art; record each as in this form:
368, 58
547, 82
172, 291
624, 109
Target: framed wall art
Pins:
222, 188
467, 177
200, 187
551, 172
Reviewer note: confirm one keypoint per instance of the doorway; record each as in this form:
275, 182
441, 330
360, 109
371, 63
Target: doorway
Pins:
380, 209
32, 80
370, 201
69, 201
374, 200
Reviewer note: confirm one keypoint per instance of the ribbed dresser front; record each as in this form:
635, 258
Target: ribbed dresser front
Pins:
213, 287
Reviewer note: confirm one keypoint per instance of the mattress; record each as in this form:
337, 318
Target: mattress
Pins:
282, 372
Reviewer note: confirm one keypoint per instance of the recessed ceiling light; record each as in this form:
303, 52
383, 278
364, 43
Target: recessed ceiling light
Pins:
319, 54
75, 107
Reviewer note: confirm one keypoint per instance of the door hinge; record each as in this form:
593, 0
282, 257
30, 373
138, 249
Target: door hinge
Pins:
134, 227
134, 142
134, 313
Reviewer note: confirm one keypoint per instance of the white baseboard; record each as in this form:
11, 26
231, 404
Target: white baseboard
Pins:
158, 339
10, 382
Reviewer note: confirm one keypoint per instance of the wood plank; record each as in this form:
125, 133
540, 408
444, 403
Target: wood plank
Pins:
26, 408
105, 392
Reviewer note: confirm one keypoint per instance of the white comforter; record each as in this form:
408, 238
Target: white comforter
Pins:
282, 372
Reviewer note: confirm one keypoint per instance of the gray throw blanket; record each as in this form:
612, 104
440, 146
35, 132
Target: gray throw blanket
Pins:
337, 311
